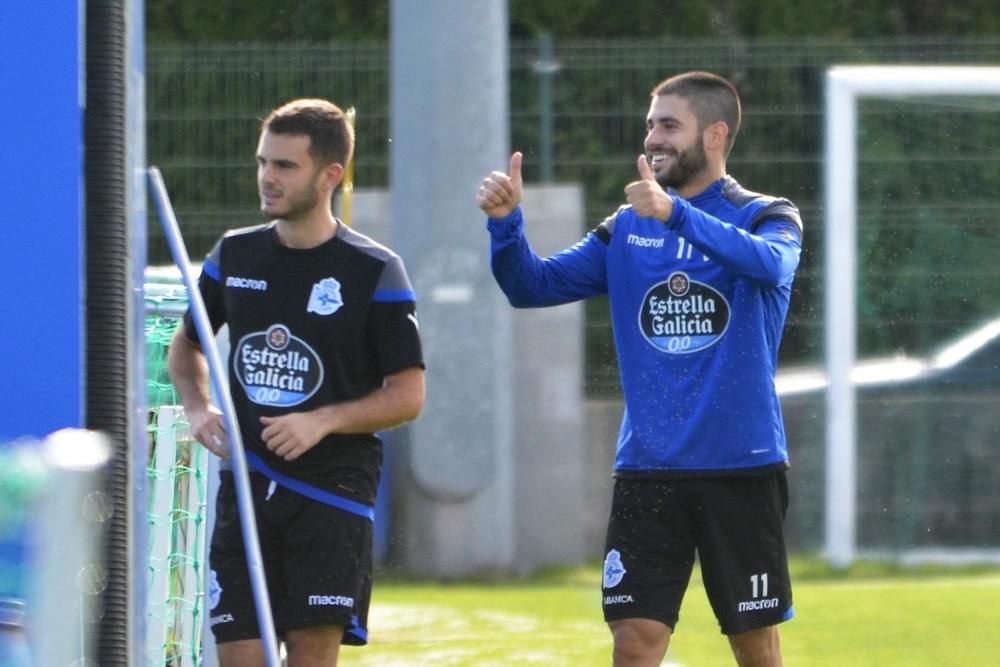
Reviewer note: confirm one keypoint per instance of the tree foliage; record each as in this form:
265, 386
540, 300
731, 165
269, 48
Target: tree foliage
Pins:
265, 20
323, 20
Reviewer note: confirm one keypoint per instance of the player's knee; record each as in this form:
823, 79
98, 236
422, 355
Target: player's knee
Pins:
757, 648
639, 642
319, 645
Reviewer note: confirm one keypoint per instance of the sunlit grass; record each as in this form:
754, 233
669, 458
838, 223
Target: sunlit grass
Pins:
874, 614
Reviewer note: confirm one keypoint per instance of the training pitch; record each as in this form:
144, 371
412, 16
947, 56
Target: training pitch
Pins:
875, 614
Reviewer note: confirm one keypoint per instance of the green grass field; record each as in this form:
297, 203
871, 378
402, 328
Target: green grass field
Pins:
875, 614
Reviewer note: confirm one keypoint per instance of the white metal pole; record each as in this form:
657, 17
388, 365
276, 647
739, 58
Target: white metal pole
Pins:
248, 521
67, 571
841, 278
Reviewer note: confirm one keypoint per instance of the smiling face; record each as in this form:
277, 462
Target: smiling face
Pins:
286, 176
675, 143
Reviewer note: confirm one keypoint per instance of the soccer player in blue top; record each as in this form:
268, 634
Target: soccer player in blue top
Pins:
698, 271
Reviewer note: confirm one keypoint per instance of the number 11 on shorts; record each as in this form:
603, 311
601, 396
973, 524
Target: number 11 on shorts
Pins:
759, 584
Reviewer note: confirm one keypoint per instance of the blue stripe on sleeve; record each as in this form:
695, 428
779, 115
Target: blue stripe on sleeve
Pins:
212, 270
319, 495
388, 295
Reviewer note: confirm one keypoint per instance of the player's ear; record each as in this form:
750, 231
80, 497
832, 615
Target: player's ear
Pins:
715, 136
332, 174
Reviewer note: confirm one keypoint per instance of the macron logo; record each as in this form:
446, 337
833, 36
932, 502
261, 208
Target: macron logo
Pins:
643, 241
330, 601
246, 283
757, 605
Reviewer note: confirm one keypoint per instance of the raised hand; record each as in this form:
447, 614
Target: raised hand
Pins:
500, 193
647, 198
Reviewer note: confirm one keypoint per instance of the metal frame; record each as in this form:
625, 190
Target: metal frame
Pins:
844, 87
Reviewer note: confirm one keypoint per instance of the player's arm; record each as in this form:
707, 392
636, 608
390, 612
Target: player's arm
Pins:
188, 370
399, 400
528, 280
769, 253
188, 367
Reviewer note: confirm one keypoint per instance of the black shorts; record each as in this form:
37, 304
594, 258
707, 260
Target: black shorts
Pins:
734, 524
317, 561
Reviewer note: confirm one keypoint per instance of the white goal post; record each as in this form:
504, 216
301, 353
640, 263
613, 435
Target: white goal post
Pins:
844, 87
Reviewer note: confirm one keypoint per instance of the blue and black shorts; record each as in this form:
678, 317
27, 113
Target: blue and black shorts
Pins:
317, 561
733, 525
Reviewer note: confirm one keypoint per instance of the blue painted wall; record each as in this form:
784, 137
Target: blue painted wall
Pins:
41, 218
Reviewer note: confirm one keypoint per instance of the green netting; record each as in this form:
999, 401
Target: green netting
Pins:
159, 390
177, 495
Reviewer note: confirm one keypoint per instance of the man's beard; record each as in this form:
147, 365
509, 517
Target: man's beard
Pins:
298, 204
687, 164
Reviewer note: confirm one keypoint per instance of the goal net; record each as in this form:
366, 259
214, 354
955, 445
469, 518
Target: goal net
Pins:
177, 493
912, 315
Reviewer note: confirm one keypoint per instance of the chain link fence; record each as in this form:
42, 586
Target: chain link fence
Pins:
928, 267
577, 112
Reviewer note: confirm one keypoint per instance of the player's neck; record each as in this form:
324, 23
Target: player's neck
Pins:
700, 182
309, 231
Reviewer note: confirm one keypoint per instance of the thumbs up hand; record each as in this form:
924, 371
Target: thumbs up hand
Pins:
647, 198
501, 193
645, 171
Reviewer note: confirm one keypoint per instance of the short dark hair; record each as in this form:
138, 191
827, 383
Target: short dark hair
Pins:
331, 137
712, 99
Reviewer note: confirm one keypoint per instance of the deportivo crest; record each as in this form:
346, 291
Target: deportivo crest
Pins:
614, 571
214, 590
325, 298
680, 315
277, 368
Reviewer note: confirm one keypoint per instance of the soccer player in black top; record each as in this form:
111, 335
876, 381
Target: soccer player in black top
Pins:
325, 353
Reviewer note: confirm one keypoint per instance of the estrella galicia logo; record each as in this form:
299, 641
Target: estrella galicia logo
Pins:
680, 315
276, 368
325, 298
614, 571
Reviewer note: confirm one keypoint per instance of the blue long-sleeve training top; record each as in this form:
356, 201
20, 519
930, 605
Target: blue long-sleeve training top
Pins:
697, 306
